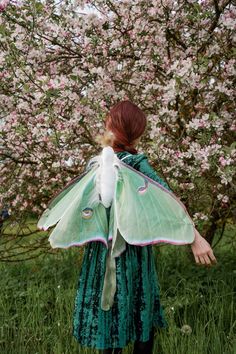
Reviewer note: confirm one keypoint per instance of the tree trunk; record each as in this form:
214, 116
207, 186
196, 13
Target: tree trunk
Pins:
210, 233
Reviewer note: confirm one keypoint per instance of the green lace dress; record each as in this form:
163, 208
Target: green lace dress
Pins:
136, 308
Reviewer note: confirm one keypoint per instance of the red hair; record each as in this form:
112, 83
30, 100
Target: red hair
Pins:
127, 122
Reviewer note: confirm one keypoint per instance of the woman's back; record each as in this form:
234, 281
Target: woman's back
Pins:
136, 308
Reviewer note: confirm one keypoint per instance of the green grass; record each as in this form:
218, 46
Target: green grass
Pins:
37, 300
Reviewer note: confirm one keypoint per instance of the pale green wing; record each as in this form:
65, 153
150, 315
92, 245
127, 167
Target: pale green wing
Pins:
118, 242
147, 212
78, 221
65, 190
59, 204
81, 224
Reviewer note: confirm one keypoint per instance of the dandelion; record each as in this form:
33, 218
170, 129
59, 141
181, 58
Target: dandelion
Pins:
186, 329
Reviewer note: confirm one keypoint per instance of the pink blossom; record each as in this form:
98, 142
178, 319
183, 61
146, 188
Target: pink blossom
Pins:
180, 94
224, 199
200, 216
224, 161
51, 84
3, 4
177, 153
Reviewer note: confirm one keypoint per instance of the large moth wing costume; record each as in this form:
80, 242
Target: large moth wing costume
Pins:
142, 212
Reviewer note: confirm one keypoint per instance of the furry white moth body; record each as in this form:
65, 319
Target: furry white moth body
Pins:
105, 178
108, 176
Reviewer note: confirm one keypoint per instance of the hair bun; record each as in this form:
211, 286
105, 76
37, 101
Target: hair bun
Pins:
127, 122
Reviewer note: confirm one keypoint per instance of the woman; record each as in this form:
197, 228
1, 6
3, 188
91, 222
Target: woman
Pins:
136, 310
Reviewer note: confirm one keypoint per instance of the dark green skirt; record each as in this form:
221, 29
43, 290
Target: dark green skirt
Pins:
136, 307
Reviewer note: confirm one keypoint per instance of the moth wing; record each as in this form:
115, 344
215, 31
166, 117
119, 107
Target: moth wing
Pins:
77, 220
148, 213
62, 201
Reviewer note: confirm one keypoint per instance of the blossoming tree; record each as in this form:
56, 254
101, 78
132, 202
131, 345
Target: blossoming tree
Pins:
61, 68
